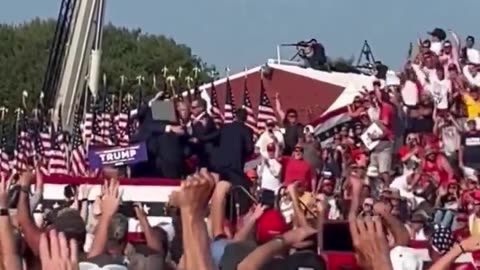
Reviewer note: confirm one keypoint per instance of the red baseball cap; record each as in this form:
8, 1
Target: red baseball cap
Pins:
270, 224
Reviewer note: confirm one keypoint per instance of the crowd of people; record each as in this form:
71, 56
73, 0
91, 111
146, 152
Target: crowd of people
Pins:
403, 171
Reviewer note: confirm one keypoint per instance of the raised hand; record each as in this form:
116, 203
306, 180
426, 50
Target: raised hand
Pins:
258, 211
194, 193
370, 243
298, 237
56, 253
26, 178
111, 198
139, 212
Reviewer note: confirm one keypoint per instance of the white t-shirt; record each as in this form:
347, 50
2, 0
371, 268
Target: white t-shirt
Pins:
436, 47
471, 79
373, 113
270, 175
265, 139
440, 90
401, 184
450, 140
422, 73
410, 93
473, 55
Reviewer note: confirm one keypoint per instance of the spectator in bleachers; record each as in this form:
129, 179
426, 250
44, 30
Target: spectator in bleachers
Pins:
271, 135
293, 130
270, 170
296, 168
312, 149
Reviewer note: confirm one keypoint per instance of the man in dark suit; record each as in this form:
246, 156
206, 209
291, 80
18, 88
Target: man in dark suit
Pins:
235, 148
165, 146
204, 137
236, 144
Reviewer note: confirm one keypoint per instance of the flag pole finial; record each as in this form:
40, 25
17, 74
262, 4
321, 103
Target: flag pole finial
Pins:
212, 74
140, 80
104, 80
3, 111
170, 79
164, 71
179, 71
122, 80
196, 70
189, 81
227, 71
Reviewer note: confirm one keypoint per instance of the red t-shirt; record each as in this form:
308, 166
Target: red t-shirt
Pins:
387, 118
296, 170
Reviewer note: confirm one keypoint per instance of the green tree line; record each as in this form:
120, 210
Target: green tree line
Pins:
24, 51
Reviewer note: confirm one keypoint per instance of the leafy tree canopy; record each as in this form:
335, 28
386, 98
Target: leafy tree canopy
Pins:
24, 51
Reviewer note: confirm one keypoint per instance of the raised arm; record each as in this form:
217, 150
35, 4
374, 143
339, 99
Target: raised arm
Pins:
109, 205
31, 233
278, 107
153, 241
11, 259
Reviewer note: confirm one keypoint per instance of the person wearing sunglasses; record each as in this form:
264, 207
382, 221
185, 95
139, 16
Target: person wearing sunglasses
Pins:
293, 129
296, 168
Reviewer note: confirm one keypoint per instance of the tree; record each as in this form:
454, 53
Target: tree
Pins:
24, 51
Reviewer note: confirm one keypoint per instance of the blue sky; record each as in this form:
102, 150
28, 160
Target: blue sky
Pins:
245, 32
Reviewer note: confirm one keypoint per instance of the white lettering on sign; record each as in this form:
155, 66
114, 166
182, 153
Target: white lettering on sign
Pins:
475, 141
113, 156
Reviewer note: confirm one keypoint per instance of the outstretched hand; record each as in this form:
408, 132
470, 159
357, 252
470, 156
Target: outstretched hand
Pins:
194, 193
111, 198
370, 243
56, 253
298, 237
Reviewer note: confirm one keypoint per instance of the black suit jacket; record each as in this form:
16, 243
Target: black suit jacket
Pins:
207, 136
160, 143
235, 147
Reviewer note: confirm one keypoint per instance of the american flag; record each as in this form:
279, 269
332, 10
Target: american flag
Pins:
57, 159
4, 157
229, 109
107, 129
247, 105
110, 131
90, 119
22, 144
215, 109
265, 109
122, 121
78, 157
43, 145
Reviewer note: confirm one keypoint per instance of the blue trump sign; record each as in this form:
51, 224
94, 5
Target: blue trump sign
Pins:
117, 156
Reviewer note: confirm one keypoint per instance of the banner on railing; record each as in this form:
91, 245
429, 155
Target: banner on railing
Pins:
117, 156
